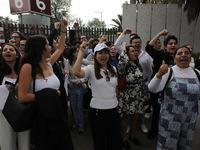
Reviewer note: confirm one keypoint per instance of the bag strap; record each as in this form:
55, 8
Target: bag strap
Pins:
169, 77
14, 85
171, 71
197, 73
34, 84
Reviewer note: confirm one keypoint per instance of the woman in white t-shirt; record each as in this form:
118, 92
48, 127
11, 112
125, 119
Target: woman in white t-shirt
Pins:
103, 115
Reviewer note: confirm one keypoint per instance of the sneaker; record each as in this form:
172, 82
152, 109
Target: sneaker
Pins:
143, 128
126, 145
80, 130
147, 115
135, 141
74, 126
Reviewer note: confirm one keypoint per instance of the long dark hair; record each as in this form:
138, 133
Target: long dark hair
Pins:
35, 45
71, 56
97, 67
5, 68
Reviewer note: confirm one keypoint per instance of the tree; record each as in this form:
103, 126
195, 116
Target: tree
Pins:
192, 7
60, 9
118, 23
7, 20
80, 22
96, 23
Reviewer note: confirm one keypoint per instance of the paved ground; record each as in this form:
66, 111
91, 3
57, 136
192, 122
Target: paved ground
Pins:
84, 141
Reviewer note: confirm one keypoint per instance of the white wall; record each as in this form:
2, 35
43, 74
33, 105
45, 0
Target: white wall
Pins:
148, 19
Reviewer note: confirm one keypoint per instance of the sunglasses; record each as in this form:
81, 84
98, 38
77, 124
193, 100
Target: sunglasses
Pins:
22, 45
83, 38
137, 42
14, 37
107, 75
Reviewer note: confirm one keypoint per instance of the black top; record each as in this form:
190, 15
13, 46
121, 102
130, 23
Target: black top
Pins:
197, 64
158, 56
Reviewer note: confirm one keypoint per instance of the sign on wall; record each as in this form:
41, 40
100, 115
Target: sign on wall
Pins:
42, 7
2, 38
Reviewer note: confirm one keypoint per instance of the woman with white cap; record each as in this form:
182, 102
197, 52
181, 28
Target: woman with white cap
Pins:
103, 115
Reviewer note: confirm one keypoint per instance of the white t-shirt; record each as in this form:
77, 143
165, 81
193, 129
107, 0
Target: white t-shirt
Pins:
146, 62
157, 85
103, 92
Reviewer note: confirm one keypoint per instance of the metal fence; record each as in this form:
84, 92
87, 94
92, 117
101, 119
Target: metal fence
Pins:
27, 30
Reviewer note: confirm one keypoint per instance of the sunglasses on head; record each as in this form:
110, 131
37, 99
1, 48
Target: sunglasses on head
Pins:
107, 75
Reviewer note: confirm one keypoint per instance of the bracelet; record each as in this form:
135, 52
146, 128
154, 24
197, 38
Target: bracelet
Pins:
63, 31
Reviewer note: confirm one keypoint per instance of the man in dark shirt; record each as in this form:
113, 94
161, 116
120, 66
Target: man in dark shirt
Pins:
153, 49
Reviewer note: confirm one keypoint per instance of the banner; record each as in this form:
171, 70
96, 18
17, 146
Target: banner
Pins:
2, 37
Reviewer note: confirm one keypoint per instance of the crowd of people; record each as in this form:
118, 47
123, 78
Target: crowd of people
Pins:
84, 73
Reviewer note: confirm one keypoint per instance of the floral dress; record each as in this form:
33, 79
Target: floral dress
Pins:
131, 100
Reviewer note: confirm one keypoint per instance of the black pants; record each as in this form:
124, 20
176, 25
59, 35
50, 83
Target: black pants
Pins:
105, 125
51, 134
155, 115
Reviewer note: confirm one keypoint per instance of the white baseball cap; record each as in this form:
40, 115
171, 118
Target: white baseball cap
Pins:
100, 47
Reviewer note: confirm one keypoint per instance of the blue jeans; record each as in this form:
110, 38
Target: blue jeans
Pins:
76, 101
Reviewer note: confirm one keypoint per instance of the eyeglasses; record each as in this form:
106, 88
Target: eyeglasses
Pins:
83, 38
171, 43
137, 42
22, 45
107, 75
14, 37
136, 51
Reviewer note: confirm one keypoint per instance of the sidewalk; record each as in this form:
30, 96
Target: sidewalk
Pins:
84, 141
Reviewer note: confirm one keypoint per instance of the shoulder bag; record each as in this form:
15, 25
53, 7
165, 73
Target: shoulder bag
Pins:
19, 115
122, 80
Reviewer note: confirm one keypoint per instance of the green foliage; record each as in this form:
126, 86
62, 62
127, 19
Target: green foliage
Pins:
7, 20
80, 22
118, 23
60, 9
96, 23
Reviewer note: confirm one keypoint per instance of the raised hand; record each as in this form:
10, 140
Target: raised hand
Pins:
83, 46
103, 38
57, 25
127, 31
163, 70
164, 32
64, 24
